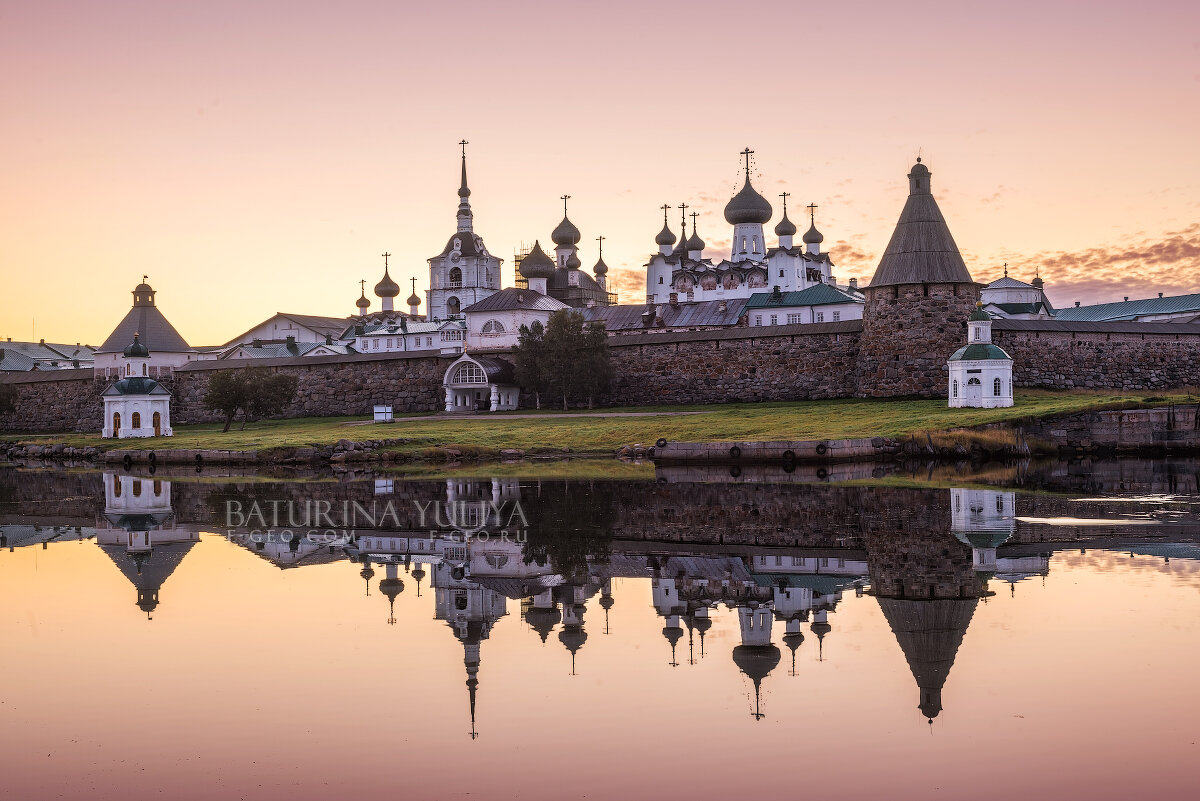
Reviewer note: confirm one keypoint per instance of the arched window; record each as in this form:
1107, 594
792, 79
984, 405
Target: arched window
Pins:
955, 389
455, 278
973, 382
157, 488
143, 368
493, 328
996, 387
137, 488
116, 424
452, 306
660, 279
116, 486
156, 422
136, 420
468, 373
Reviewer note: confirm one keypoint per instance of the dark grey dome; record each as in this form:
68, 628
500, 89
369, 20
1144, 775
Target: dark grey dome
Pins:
566, 233
413, 299
748, 206
601, 268
362, 301
694, 241
537, 264
573, 262
812, 236
918, 169
665, 237
136, 349
387, 288
786, 227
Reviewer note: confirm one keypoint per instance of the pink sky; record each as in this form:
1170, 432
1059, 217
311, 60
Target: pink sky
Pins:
258, 157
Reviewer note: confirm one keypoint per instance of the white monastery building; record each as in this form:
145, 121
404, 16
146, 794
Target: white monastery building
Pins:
980, 372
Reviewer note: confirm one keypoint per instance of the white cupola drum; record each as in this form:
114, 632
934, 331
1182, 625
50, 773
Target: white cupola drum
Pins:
748, 212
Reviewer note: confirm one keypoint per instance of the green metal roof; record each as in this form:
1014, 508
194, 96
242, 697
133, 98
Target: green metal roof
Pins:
979, 353
816, 295
137, 385
1125, 310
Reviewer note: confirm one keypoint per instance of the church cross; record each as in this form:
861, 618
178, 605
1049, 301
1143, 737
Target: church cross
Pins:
600, 239
414, 283
385, 258
694, 215
665, 207
747, 153
463, 144
785, 196
363, 284
1006, 269
812, 213
683, 216
564, 199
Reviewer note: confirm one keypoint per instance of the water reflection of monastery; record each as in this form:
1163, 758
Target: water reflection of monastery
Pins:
469, 556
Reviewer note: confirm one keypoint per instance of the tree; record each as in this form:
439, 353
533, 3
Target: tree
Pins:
529, 361
577, 357
228, 393
269, 393
8, 398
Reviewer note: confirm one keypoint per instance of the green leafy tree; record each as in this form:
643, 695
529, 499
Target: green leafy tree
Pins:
228, 393
576, 357
8, 398
595, 363
529, 361
268, 393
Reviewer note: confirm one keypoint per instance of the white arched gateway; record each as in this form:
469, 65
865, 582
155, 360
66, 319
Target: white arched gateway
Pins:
480, 384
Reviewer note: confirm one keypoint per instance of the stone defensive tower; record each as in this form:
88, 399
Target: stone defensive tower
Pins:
916, 304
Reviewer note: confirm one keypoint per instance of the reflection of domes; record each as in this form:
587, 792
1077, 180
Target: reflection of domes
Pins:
391, 587
606, 602
536, 264
756, 661
572, 637
543, 620
747, 206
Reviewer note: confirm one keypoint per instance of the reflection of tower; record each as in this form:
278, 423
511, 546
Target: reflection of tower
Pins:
757, 656
929, 633
572, 635
820, 627
418, 574
140, 536
470, 610
367, 572
391, 586
543, 615
606, 601
665, 595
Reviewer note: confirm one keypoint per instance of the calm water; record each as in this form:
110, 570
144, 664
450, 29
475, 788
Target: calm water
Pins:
1021, 632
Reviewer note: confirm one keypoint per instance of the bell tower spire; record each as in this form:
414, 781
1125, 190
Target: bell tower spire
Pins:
465, 217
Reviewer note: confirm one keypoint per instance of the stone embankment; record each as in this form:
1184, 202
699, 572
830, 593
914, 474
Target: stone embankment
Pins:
828, 450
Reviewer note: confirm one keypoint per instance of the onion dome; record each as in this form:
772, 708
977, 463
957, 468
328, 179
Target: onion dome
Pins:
537, 264
812, 236
391, 587
979, 315
566, 233
694, 242
1037, 282
572, 637
666, 236
387, 288
413, 299
786, 227
136, 349
601, 268
747, 206
362, 301
573, 262
543, 620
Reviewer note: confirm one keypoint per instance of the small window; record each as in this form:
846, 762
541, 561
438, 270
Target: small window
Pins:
660, 279
758, 319
996, 388
820, 317
428, 341
781, 273
978, 333
837, 316
794, 319
955, 393
774, 319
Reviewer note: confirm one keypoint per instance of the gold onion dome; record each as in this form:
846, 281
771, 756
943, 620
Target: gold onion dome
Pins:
747, 206
979, 315
387, 288
537, 264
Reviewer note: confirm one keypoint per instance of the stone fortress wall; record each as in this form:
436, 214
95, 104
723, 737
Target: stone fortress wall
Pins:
799, 362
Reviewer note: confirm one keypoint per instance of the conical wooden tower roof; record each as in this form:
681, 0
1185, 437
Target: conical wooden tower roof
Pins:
921, 250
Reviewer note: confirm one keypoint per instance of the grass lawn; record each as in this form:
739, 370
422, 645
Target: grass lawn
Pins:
485, 434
